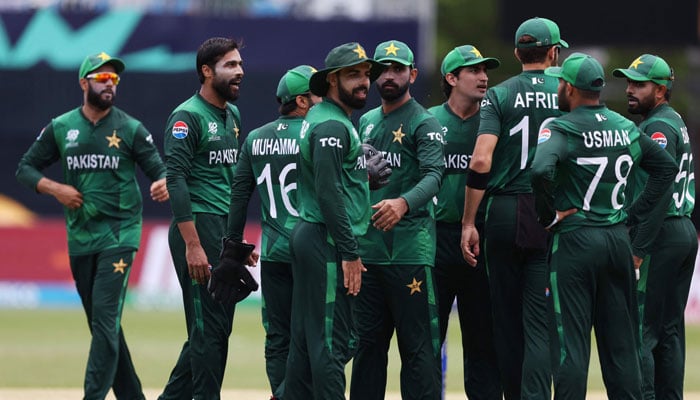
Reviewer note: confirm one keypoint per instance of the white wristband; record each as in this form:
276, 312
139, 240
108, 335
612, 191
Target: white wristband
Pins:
554, 221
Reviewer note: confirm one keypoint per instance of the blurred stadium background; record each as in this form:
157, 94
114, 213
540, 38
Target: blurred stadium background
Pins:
42, 43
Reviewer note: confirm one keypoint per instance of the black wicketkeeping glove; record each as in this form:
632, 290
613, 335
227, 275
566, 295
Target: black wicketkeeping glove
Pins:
231, 281
378, 170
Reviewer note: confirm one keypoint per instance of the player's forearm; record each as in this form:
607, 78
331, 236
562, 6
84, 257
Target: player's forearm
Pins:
189, 234
472, 199
47, 186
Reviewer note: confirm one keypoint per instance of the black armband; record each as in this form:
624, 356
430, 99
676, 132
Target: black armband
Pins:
477, 180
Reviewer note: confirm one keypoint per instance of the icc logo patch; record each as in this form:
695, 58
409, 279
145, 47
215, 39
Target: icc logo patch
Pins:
180, 130
544, 135
659, 138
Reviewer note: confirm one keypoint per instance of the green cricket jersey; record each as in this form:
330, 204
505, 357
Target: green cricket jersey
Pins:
332, 178
666, 127
269, 160
410, 138
100, 162
515, 110
584, 160
201, 151
459, 136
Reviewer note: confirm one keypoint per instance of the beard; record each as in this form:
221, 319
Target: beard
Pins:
95, 99
348, 97
643, 106
224, 90
564, 104
392, 92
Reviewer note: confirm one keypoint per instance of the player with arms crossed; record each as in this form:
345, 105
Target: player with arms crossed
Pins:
667, 269
583, 163
333, 200
514, 248
269, 160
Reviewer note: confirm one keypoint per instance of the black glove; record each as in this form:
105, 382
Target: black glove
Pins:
231, 281
378, 170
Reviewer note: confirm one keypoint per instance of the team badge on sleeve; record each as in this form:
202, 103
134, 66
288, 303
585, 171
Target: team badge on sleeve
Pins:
180, 130
659, 138
544, 135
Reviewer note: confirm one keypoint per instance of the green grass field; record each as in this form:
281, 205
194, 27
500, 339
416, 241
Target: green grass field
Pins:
48, 348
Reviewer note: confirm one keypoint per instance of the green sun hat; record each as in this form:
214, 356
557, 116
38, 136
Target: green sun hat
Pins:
294, 82
545, 32
95, 61
394, 50
345, 55
466, 55
648, 67
580, 70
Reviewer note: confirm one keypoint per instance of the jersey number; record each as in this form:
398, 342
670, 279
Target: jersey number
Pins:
524, 127
686, 175
266, 177
620, 173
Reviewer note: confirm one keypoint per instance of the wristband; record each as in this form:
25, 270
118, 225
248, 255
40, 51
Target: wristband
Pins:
554, 221
477, 180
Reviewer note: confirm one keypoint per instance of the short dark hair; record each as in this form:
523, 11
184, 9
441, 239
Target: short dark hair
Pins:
211, 51
445, 86
288, 107
531, 55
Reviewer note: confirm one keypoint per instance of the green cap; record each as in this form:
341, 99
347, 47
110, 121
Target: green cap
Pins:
345, 55
393, 50
648, 67
544, 31
463, 56
95, 61
580, 70
294, 83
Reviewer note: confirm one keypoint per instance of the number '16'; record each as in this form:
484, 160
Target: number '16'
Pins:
266, 177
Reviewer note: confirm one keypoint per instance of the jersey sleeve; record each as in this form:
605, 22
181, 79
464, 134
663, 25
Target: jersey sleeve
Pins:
650, 207
242, 189
146, 154
431, 164
327, 166
667, 131
42, 153
544, 168
179, 152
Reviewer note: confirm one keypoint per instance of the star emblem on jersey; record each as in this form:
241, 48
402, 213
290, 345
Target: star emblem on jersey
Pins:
119, 266
392, 49
476, 52
113, 140
635, 63
398, 135
360, 52
414, 286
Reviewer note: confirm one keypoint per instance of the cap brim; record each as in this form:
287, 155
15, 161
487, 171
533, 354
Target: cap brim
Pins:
490, 62
319, 86
387, 60
630, 74
563, 43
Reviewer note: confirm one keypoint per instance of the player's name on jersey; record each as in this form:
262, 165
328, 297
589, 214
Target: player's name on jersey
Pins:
606, 138
92, 161
457, 161
223, 156
279, 146
537, 100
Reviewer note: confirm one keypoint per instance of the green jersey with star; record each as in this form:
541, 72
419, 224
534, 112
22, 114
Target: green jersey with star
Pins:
268, 160
201, 151
332, 179
410, 138
584, 160
100, 162
514, 110
459, 136
666, 127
